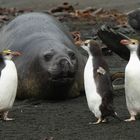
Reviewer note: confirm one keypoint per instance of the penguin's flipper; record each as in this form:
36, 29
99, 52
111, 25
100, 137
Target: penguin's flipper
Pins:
101, 70
112, 39
2, 64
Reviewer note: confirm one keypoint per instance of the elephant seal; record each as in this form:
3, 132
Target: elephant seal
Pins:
50, 66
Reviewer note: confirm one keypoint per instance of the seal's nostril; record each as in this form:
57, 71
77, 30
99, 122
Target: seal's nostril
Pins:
63, 62
64, 65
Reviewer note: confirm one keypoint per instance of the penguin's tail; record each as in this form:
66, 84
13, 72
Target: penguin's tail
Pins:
115, 115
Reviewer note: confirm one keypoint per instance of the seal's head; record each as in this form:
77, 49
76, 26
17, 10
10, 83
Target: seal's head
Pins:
58, 67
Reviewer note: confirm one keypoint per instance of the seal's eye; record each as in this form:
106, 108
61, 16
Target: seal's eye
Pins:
48, 56
71, 55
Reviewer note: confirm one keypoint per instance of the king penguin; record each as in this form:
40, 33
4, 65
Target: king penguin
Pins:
97, 82
8, 82
132, 78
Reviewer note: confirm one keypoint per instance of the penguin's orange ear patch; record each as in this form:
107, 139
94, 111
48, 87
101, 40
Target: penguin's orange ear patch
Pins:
101, 70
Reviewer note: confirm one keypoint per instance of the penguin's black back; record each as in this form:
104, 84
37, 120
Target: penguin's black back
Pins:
103, 81
2, 64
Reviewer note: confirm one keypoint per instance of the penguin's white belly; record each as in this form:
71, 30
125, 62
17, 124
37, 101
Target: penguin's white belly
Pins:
93, 98
132, 87
8, 86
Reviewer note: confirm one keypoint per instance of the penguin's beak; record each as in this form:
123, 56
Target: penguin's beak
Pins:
15, 53
125, 42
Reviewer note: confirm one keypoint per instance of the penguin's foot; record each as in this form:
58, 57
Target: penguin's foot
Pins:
8, 119
104, 120
5, 117
132, 118
98, 121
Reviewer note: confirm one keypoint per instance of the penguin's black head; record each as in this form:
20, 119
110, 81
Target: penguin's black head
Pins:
92, 47
131, 44
8, 54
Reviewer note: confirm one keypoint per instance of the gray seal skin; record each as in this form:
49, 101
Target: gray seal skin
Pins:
50, 66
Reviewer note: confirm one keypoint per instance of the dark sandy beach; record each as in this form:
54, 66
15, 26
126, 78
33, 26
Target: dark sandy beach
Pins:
69, 119
66, 120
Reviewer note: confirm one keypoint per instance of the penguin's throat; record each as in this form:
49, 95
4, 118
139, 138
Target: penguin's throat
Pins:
134, 55
7, 61
134, 59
